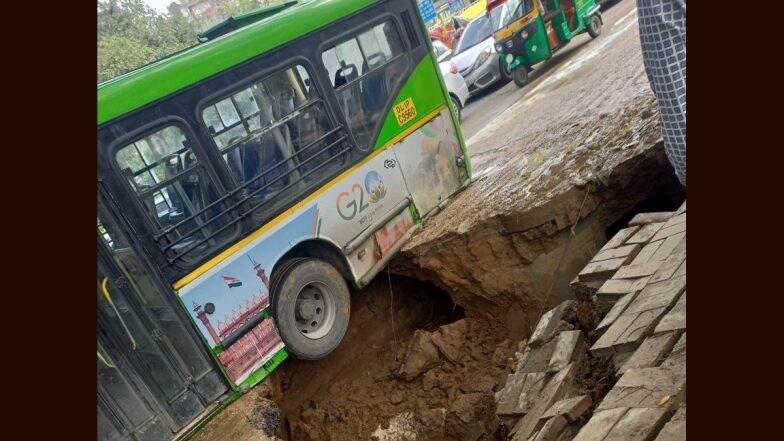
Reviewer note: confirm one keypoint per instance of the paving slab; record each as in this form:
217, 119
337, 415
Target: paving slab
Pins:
638, 424
627, 331
681, 209
614, 289
620, 237
627, 251
658, 295
646, 252
679, 218
551, 429
646, 387
649, 218
569, 347
536, 359
675, 429
600, 424
639, 270
675, 320
549, 323
646, 233
571, 408
651, 352
603, 269
555, 390
668, 246
508, 396
617, 309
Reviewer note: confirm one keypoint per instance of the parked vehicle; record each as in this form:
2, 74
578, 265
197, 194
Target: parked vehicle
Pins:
475, 55
458, 90
243, 185
533, 30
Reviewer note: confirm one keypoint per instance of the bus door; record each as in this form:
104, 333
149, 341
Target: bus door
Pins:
146, 346
429, 161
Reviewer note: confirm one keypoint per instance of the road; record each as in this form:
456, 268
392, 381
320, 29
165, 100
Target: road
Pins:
619, 19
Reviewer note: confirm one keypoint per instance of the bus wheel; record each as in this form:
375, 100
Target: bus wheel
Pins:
595, 26
520, 76
311, 306
456, 105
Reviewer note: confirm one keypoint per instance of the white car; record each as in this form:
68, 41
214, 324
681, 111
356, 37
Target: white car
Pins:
455, 84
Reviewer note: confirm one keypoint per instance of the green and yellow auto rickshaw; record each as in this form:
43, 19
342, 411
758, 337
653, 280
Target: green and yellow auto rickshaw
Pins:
532, 30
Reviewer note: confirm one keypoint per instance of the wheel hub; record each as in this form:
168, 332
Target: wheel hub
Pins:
314, 311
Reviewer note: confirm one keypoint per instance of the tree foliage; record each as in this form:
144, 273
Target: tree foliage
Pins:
132, 34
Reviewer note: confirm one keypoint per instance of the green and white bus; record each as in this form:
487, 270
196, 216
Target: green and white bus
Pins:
243, 185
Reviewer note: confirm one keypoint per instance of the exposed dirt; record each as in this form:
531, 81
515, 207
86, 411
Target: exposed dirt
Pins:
446, 382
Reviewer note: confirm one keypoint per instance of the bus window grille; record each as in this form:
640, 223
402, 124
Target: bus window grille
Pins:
177, 248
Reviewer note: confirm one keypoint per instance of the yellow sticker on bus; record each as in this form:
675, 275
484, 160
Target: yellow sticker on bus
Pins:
405, 111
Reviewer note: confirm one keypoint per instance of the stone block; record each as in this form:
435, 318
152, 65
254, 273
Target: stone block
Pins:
571, 408
649, 218
646, 387
614, 289
549, 322
674, 320
600, 424
627, 331
516, 398
569, 347
671, 264
640, 270
651, 352
620, 237
536, 359
551, 429
668, 246
658, 295
675, 429
646, 233
679, 218
638, 424
603, 269
628, 251
507, 397
617, 309
646, 252
555, 390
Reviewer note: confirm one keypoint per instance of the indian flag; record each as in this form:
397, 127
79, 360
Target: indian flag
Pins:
233, 282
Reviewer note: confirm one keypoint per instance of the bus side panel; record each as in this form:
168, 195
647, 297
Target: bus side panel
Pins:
428, 160
237, 325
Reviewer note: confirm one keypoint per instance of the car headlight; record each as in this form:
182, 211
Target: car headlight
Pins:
509, 58
499, 47
524, 34
483, 56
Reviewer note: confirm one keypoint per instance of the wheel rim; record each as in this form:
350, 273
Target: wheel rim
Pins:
314, 310
595, 23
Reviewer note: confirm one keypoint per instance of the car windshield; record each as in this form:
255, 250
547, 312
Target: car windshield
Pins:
480, 29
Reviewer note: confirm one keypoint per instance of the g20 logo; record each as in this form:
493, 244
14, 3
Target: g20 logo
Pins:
350, 204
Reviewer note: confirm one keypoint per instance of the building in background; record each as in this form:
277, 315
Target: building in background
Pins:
198, 9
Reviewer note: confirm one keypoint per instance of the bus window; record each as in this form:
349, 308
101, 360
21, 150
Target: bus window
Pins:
172, 186
273, 133
364, 71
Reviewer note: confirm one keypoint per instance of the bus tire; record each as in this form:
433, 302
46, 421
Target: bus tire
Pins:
520, 76
311, 306
456, 105
595, 26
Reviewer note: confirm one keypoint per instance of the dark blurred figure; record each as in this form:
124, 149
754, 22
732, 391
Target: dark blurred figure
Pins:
663, 39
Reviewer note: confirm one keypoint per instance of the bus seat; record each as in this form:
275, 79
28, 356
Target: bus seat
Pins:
374, 84
346, 74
